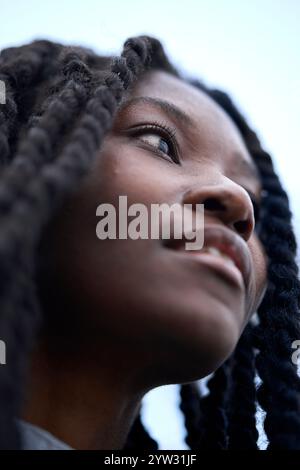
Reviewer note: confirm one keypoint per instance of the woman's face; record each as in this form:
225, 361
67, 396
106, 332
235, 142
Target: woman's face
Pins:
178, 311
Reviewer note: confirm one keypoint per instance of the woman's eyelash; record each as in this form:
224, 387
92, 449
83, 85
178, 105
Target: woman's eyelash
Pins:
165, 132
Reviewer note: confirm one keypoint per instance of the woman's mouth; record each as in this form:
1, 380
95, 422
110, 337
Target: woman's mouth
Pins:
220, 263
224, 251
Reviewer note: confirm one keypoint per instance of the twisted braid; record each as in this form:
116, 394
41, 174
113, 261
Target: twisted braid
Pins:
20, 68
38, 145
279, 317
278, 328
242, 430
279, 394
213, 408
138, 437
190, 405
40, 199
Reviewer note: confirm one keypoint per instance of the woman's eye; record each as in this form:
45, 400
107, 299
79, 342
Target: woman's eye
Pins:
158, 142
161, 139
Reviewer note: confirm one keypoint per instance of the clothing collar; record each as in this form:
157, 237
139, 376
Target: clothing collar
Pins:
35, 438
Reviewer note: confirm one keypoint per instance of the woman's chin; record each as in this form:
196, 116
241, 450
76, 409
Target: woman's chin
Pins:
208, 346
193, 361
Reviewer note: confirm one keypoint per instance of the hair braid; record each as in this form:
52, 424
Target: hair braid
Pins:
20, 68
279, 312
190, 406
138, 438
28, 215
214, 410
242, 430
279, 394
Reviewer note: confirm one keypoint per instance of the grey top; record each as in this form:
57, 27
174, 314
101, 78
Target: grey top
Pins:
36, 438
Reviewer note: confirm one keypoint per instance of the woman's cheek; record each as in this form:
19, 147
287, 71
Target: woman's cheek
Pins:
260, 269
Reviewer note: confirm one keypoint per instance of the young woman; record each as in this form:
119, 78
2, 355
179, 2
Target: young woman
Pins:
92, 325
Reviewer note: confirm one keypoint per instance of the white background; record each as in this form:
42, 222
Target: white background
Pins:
249, 48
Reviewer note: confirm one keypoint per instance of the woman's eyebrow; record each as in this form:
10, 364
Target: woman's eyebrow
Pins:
169, 108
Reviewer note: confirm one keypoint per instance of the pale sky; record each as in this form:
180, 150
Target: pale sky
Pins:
249, 48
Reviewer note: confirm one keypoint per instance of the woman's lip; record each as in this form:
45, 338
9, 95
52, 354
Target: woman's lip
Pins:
228, 243
230, 272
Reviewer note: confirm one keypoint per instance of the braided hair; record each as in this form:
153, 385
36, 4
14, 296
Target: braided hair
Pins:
60, 103
279, 392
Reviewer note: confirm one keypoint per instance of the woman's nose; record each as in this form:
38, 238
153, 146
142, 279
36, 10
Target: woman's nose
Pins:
226, 201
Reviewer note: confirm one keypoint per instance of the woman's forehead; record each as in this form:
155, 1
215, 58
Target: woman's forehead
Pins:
191, 100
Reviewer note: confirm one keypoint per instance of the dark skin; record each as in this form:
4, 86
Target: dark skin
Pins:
126, 316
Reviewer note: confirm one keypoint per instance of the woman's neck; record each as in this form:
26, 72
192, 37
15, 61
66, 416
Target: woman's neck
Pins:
85, 401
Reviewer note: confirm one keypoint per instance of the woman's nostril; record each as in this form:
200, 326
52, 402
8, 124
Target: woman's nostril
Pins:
242, 226
213, 204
